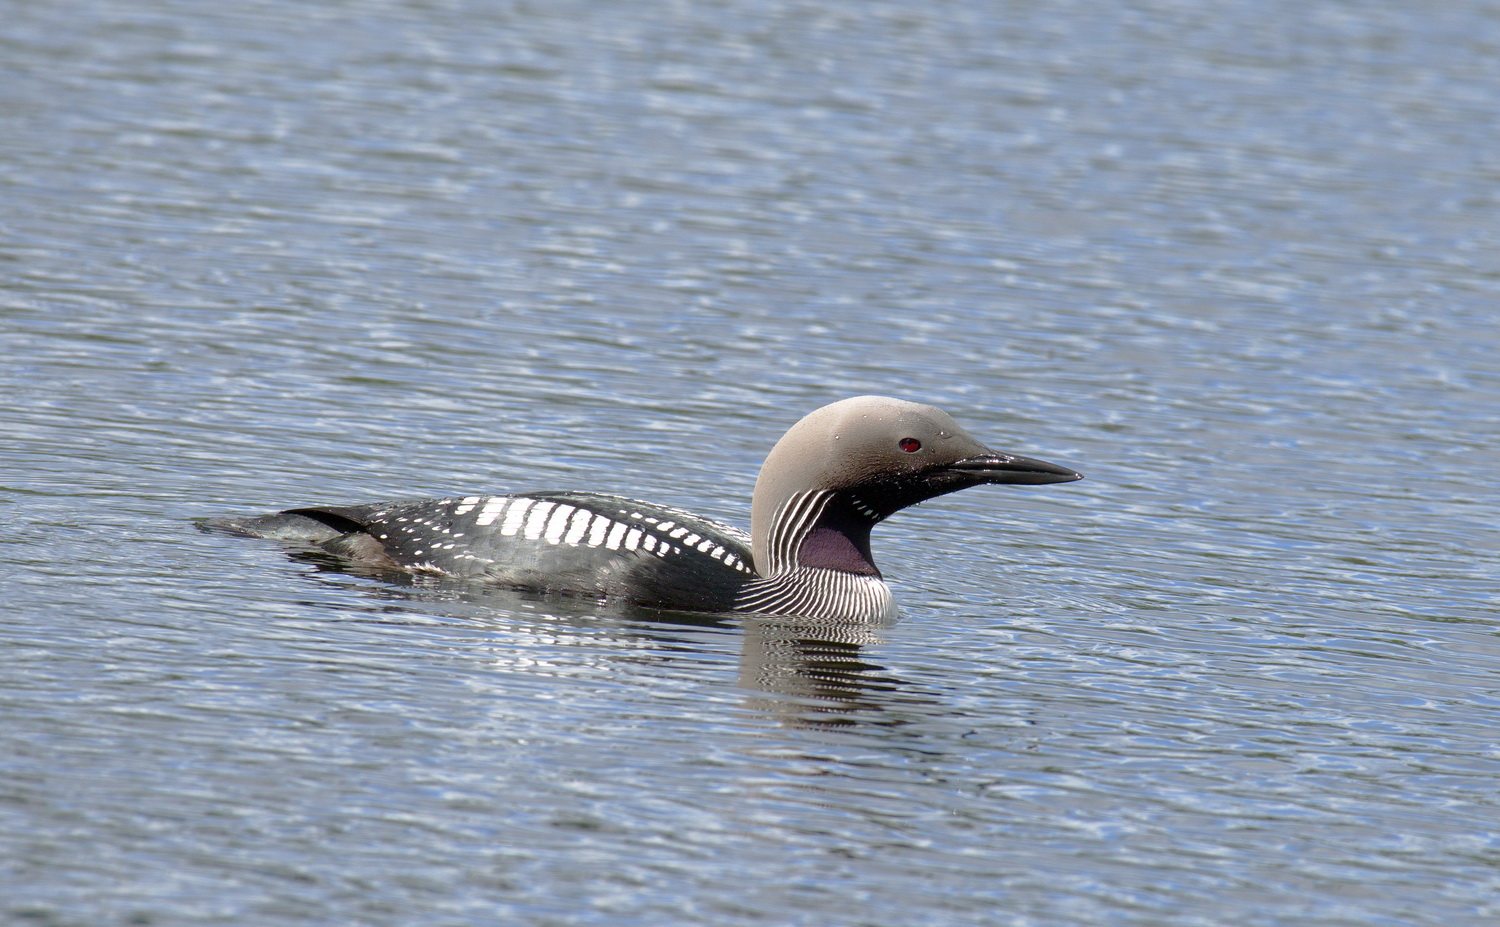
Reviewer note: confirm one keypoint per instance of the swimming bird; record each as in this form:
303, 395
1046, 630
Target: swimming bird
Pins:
833, 476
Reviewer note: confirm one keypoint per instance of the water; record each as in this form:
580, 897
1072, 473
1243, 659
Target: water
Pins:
1236, 263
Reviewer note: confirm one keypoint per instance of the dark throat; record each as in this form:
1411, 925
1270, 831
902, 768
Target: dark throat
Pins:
839, 541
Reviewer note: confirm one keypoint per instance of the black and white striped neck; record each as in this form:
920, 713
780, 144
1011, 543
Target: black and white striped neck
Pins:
817, 562
825, 595
823, 529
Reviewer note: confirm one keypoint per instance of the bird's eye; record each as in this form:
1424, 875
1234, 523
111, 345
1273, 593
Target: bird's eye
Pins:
910, 445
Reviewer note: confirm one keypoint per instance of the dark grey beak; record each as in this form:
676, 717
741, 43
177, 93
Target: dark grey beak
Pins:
1009, 468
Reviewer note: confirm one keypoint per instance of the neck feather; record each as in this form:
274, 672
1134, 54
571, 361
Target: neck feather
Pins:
819, 529
838, 544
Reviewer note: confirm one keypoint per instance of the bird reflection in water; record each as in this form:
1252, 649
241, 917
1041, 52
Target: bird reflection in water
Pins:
814, 673
817, 670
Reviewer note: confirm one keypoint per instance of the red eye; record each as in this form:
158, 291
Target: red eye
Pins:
910, 445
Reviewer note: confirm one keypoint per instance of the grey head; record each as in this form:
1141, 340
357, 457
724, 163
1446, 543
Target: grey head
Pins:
849, 465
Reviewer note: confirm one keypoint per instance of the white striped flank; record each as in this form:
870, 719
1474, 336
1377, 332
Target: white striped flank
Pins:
487, 515
515, 511
557, 524
536, 520
598, 528
578, 526
430, 535
635, 531
617, 531
810, 592
628, 510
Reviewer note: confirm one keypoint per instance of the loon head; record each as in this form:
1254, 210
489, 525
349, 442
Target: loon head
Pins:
847, 466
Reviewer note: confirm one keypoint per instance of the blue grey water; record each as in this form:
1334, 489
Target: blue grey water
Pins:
1239, 263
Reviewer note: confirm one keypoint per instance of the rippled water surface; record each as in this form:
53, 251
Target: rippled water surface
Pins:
1238, 263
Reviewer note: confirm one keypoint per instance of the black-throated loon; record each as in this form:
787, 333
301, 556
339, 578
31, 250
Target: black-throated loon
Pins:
831, 478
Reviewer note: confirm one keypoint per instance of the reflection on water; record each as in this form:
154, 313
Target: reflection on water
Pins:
818, 669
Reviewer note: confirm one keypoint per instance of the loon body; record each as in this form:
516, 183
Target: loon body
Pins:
836, 474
